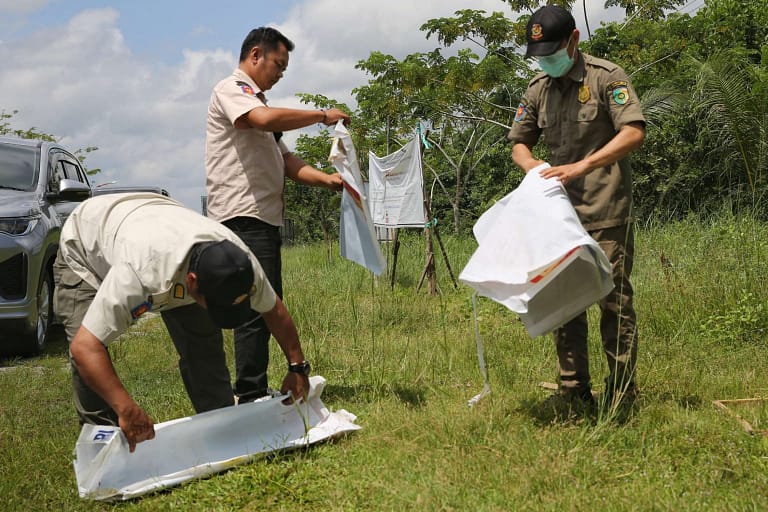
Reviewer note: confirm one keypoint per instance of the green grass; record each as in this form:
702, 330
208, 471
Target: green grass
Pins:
405, 363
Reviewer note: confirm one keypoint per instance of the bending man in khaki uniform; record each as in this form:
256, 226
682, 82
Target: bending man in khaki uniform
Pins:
123, 255
589, 116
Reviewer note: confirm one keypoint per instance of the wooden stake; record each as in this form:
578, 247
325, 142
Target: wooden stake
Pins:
395, 250
721, 404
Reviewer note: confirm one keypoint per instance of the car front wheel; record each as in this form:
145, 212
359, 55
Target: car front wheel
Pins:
44, 312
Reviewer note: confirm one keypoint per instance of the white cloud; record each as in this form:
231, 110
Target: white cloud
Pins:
21, 6
349, 28
148, 121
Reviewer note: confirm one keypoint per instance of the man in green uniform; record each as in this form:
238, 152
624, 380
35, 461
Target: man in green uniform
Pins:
590, 118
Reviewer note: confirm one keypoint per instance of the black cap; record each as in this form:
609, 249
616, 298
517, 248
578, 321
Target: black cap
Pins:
225, 278
546, 30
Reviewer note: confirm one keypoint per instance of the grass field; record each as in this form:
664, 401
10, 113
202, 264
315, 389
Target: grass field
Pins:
405, 363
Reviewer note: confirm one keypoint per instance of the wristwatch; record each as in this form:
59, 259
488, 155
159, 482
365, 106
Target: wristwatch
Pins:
303, 368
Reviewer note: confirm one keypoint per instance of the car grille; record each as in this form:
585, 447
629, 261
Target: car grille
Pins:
13, 276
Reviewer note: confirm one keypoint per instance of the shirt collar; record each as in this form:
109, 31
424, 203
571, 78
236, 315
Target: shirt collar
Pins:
578, 71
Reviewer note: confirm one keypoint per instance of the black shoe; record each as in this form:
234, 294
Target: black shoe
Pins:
583, 395
572, 401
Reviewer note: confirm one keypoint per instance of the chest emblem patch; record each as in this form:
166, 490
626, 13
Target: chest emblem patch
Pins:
178, 291
521, 112
584, 94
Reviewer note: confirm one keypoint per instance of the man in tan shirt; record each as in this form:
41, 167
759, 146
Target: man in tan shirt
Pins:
590, 119
123, 255
246, 164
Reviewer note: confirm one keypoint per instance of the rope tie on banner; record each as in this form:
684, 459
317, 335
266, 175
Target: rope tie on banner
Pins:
480, 358
423, 137
430, 224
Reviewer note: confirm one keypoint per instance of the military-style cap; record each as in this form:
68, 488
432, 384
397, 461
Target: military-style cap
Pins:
225, 278
546, 30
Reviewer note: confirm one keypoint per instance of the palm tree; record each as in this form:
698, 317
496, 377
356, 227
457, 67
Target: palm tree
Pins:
729, 98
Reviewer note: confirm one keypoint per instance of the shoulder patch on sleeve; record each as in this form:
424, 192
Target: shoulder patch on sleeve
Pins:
618, 91
142, 308
247, 89
617, 83
522, 112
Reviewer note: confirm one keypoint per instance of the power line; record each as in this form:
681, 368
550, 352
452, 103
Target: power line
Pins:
682, 10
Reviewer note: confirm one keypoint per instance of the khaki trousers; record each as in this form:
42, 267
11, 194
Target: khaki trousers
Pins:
618, 322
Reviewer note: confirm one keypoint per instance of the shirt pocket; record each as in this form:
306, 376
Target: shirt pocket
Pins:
585, 113
69, 302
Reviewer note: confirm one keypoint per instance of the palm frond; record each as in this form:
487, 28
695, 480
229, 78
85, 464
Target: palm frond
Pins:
729, 106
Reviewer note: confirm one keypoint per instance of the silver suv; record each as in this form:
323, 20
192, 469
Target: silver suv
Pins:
40, 184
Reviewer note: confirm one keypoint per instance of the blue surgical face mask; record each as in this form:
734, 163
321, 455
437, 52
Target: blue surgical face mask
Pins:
557, 64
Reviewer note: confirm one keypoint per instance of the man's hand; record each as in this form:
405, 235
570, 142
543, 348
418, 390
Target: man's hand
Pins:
136, 425
566, 173
332, 116
297, 384
335, 182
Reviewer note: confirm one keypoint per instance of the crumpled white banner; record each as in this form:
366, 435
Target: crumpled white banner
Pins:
200, 445
536, 258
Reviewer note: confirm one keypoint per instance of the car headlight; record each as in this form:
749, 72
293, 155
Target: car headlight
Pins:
16, 226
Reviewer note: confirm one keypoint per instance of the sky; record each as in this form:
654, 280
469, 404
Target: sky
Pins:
133, 77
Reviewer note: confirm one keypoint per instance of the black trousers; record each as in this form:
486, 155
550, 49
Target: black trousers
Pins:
252, 338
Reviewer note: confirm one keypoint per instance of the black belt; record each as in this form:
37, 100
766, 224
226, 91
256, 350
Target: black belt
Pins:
247, 223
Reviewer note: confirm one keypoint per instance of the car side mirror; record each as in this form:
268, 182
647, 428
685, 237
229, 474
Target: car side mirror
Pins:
71, 190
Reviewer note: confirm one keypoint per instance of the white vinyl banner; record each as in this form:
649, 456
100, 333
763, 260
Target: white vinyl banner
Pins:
200, 445
358, 239
397, 191
536, 258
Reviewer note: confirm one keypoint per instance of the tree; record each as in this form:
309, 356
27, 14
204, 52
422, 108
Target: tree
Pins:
702, 83
729, 101
654, 10
30, 133
469, 98
701, 80
315, 211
